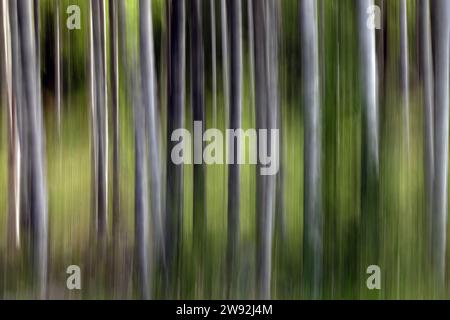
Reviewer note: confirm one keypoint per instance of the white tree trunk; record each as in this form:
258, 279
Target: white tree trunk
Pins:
404, 68
441, 131
313, 246
428, 95
37, 147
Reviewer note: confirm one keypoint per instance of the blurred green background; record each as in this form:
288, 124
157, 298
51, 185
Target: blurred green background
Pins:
404, 258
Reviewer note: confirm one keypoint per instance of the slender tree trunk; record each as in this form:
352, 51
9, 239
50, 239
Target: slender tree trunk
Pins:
441, 131
404, 67
142, 223
280, 214
13, 141
427, 70
225, 95
225, 59
99, 55
114, 81
312, 243
251, 52
370, 81
37, 40
175, 120
104, 126
94, 124
148, 80
213, 60
58, 65
198, 108
19, 101
38, 183
261, 110
266, 58
370, 166
122, 32
235, 27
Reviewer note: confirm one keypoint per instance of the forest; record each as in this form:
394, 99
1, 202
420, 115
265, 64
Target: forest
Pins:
335, 171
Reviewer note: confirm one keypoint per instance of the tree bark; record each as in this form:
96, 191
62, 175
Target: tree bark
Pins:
312, 243
13, 139
58, 65
175, 120
142, 223
36, 152
266, 62
213, 60
100, 119
235, 120
369, 245
428, 95
198, 109
114, 82
225, 60
441, 131
149, 100
404, 63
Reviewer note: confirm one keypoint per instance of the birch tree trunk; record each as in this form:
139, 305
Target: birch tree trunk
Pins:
142, 221
13, 139
149, 100
114, 82
428, 95
38, 183
312, 243
18, 100
404, 68
100, 114
175, 116
441, 131
370, 165
266, 57
280, 214
94, 116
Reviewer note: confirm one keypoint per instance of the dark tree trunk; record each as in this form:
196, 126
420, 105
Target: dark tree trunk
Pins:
266, 57
198, 108
225, 60
100, 135
58, 65
213, 61
235, 120
175, 120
